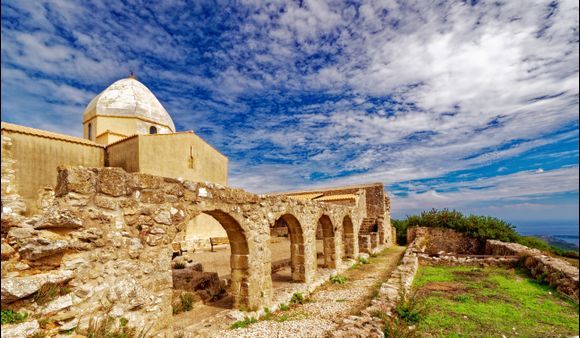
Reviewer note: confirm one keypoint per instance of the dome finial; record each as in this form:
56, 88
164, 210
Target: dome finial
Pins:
132, 75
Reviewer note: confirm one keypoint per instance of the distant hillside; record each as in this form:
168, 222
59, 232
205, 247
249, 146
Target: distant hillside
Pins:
558, 243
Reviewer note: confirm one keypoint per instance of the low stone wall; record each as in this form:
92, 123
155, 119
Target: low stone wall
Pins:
554, 271
455, 260
438, 240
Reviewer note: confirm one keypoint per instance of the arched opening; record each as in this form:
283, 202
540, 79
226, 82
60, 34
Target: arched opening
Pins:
90, 131
348, 237
214, 265
152, 130
285, 232
325, 243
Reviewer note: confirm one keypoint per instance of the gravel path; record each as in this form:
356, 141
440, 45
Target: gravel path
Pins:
329, 304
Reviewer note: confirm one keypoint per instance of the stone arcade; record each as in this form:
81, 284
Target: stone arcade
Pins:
103, 224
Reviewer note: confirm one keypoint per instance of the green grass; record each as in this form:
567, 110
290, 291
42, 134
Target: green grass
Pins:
12, 317
240, 324
467, 301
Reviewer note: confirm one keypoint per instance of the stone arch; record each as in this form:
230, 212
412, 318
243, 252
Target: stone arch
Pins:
297, 256
348, 237
329, 245
239, 257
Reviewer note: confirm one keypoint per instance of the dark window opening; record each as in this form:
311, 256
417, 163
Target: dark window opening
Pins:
90, 133
153, 130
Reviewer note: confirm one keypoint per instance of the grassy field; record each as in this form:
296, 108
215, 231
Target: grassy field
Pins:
489, 302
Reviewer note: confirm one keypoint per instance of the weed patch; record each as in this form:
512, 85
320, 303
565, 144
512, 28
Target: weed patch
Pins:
362, 260
12, 317
108, 327
240, 324
338, 279
50, 291
298, 298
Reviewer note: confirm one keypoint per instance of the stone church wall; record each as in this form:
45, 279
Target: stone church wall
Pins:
37, 155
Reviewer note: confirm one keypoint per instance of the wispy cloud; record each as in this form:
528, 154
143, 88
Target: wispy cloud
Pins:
426, 97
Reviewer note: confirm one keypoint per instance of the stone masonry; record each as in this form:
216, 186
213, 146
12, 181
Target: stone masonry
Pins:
104, 236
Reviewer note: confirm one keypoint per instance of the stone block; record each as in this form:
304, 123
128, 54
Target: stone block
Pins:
146, 181
114, 182
37, 248
75, 179
19, 287
26, 329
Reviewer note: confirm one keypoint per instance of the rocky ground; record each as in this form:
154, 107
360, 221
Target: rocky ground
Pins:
326, 307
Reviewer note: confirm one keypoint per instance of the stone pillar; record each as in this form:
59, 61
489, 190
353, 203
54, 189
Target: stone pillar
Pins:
381, 231
329, 253
374, 240
348, 245
364, 243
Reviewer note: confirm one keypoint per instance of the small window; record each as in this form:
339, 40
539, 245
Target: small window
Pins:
90, 131
152, 130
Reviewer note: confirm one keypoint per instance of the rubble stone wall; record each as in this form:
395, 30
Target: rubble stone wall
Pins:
554, 271
104, 239
436, 240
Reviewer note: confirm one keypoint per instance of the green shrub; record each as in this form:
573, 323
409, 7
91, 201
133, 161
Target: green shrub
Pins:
297, 298
401, 227
409, 309
186, 301
481, 227
240, 324
362, 260
12, 317
284, 307
338, 279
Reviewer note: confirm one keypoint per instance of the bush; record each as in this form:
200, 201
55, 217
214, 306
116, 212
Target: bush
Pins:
362, 260
284, 307
185, 303
338, 279
482, 227
297, 298
240, 324
401, 227
12, 317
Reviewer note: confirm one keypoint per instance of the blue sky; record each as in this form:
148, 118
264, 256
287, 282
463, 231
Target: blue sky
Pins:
465, 105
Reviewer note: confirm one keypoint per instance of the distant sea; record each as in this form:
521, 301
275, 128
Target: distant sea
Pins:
565, 231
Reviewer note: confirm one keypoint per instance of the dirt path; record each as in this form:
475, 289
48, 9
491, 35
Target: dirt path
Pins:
328, 304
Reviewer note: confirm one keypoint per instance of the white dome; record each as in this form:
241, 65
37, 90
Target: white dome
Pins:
129, 98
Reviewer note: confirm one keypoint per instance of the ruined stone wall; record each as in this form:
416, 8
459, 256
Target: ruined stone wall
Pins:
554, 271
444, 240
104, 240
